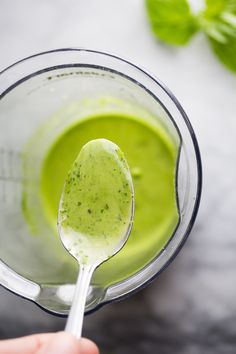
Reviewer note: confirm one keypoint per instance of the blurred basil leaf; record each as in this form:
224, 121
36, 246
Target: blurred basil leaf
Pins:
226, 52
215, 7
219, 23
173, 23
171, 20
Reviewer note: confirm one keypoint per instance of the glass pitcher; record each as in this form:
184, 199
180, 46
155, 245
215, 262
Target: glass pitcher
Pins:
76, 83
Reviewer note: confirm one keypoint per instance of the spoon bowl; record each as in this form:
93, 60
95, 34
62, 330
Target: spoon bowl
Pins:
95, 215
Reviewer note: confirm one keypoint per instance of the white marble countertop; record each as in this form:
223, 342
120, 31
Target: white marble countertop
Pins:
191, 307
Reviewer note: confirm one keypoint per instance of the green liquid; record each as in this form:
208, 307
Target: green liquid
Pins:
96, 205
152, 157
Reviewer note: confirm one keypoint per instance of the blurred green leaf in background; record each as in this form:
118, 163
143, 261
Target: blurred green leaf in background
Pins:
173, 22
219, 23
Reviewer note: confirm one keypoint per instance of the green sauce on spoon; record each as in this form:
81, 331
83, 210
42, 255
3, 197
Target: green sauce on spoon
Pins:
95, 214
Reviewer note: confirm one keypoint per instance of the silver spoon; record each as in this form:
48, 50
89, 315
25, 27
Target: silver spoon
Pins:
99, 168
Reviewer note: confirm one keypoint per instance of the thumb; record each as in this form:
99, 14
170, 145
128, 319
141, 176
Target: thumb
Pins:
64, 343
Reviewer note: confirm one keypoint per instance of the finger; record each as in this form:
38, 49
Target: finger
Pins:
88, 347
64, 343
25, 345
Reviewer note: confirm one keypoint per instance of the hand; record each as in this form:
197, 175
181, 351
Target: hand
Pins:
48, 343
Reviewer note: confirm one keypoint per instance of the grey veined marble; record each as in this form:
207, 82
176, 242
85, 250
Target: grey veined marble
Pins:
191, 307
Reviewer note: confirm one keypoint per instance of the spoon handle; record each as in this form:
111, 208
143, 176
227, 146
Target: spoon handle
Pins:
76, 315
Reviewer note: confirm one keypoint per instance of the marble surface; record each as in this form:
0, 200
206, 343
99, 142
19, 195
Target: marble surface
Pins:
191, 307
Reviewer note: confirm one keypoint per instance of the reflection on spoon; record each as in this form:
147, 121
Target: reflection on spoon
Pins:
95, 215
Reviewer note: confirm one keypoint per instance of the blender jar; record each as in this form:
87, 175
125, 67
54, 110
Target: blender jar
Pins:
76, 83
